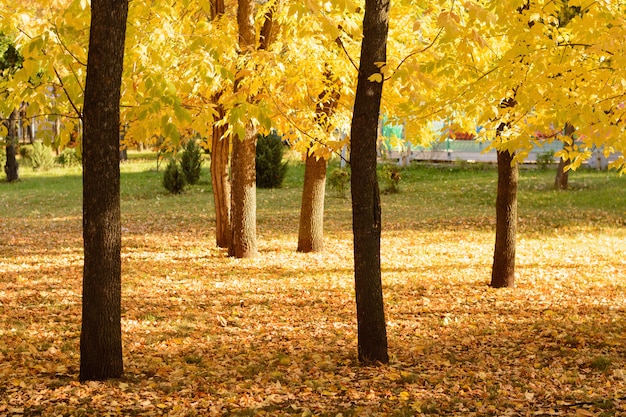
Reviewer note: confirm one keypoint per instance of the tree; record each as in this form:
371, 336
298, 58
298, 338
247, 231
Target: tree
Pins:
220, 152
243, 192
366, 211
503, 270
10, 61
311, 226
311, 229
11, 166
101, 334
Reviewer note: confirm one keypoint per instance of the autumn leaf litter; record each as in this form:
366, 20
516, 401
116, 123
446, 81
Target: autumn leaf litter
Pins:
208, 335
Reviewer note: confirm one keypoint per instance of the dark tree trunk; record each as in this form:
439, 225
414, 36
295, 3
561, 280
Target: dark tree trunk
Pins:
101, 335
366, 212
11, 166
217, 8
311, 231
220, 151
503, 271
243, 192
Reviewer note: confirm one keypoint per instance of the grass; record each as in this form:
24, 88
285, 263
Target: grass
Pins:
205, 334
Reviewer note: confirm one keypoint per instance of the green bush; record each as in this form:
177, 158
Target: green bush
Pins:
338, 180
26, 151
545, 159
174, 178
41, 158
69, 158
191, 162
270, 168
3, 155
391, 175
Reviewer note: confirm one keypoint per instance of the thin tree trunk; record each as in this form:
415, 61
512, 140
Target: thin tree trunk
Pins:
101, 333
11, 166
220, 151
311, 231
503, 271
366, 211
562, 176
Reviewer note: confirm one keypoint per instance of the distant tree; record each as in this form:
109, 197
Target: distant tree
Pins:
191, 161
101, 333
11, 166
366, 211
311, 228
10, 61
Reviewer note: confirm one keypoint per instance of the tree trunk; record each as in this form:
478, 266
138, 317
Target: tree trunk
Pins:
243, 192
11, 166
101, 335
503, 271
366, 212
311, 231
562, 176
243, 202
220, 150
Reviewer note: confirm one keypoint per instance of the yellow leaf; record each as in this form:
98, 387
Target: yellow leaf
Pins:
376, 78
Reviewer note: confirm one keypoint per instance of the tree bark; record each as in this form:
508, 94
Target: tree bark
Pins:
366, 211
217, 8
243, 203
503, 271
11, 166
311, 231
562, 176
101, 336
220, 151
243, 193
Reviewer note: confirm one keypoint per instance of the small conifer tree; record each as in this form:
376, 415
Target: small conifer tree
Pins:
174, 178
191, 162
270, 168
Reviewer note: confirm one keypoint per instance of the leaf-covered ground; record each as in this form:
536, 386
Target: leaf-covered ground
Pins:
208, 335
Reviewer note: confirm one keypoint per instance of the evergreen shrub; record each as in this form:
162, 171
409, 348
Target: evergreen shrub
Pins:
191, 162
270, 168
174, 178
545, 159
